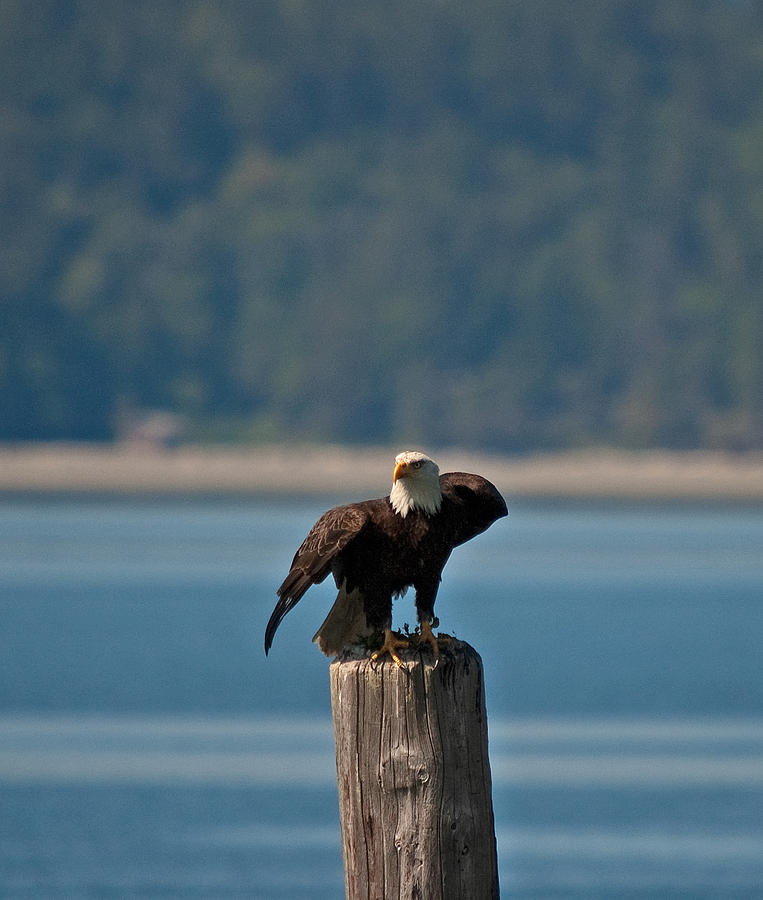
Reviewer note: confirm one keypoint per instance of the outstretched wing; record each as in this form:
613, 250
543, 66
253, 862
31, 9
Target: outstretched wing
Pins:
312, 562
471, 504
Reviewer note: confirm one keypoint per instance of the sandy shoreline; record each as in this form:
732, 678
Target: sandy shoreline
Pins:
360, 472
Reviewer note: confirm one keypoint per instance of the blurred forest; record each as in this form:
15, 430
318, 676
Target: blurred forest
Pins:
508, 225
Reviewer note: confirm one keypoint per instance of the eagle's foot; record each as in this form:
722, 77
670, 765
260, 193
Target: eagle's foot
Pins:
391, 643
427, 636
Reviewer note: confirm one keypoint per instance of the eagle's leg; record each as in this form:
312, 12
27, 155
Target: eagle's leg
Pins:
391, 643
429, 637
426, 592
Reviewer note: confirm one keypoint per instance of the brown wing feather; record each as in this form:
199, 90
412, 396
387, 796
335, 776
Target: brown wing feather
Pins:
473, 502
313, 560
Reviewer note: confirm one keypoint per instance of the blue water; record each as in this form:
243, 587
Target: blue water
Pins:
148, 748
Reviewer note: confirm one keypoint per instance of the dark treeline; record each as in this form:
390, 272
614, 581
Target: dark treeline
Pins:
508, 225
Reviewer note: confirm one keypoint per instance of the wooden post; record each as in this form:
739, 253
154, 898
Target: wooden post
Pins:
414, 777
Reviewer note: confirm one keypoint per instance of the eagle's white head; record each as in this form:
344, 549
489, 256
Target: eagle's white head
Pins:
415, 484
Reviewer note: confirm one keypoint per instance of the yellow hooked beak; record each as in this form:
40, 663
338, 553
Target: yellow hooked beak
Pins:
399, 471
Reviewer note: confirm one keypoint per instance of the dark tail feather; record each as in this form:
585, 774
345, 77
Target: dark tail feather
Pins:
289, 594
282, 607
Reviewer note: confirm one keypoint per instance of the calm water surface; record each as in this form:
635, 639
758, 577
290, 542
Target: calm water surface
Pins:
148, 748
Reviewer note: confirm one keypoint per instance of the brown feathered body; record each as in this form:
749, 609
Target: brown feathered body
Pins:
375, 554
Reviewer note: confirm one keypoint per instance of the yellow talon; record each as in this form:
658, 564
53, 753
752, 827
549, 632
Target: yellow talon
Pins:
391, 643
428, 636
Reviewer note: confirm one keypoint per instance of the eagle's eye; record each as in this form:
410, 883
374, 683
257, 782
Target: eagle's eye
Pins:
417, 464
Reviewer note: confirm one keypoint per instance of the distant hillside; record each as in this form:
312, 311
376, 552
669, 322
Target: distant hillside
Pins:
508, 226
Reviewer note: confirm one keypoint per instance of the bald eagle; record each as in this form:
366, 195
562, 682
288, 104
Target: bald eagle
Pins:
378, 548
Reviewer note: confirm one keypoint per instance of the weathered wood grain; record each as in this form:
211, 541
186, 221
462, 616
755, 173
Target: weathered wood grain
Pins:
414, 777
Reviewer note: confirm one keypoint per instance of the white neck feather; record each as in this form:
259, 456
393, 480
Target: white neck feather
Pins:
416, 493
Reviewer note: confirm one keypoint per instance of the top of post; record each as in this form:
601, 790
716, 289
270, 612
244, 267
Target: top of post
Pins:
451, 653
